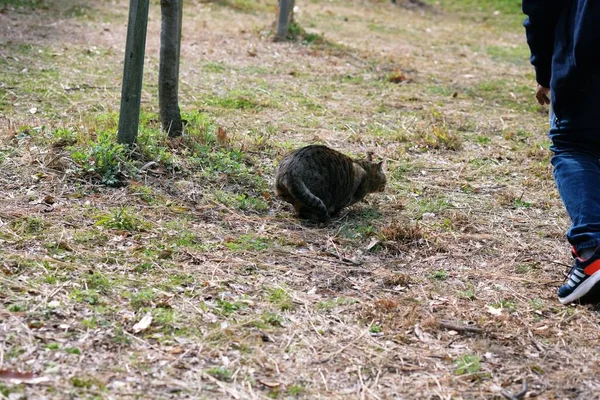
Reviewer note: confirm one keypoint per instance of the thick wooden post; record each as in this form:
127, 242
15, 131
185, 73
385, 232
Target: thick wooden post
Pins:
133, 71
286, 9
168, 73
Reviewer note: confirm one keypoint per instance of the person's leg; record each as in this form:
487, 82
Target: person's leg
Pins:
576, 164
577, 177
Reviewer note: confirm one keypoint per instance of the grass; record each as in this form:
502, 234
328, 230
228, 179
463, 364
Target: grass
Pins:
468, 364
440, 275
122, 219
237, 100
247, 242
247, 301
220, 373
498, 13
281, 299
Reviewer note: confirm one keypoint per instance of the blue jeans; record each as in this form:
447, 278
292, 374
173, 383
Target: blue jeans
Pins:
576, 146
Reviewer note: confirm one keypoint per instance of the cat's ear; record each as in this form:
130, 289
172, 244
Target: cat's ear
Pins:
380, 166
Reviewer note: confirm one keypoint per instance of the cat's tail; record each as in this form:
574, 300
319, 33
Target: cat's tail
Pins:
316, 207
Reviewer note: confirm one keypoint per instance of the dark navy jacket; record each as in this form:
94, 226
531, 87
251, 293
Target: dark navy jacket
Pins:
564, 38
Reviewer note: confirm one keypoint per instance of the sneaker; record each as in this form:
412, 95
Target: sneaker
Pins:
582, 278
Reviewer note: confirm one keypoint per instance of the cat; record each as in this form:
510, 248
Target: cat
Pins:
319, 181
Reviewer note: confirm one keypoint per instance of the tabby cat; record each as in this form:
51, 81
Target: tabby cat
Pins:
319, 181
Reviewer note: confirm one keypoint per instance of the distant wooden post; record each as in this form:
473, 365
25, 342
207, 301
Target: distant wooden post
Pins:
168, 72
133, 71
286, 10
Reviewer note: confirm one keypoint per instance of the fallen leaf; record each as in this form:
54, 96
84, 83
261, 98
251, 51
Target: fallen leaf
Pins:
164, 254
423, 336
222, 136
175, 350
494, 311
48, 199
54, 304
64, 246
35, 324
396, 77
269, 384
17, 378
144, 323
374, 242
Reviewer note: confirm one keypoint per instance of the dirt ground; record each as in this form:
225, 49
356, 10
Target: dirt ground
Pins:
174, 272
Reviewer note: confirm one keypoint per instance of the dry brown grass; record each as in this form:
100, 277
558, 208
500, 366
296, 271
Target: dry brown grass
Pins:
441, 287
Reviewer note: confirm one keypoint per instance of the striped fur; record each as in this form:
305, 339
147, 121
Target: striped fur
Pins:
319, 181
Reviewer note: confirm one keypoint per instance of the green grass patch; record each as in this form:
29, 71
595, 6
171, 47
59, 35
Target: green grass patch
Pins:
248, 242
229, 307
28, 225
357, 230
440, 90
510, 7
393, 30
16, 307
468, 294
467, 364
520, 203
39, 4
272, 319
64, 137
423, 205
97, 281
163, 316
295, 390
247, 6
501, 14
220, 373
508, 305
72, 350
90, 237
84, 382
102, 159
523, 268
331, 304
142, 298
122, 219
214, 67
280, 298
513, 54
483, 140
90, 296
440, 275
537, 303
143, 192
53, 346
238, 100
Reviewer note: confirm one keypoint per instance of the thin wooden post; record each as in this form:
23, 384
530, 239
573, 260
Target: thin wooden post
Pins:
133, 71
286, 9
168, 73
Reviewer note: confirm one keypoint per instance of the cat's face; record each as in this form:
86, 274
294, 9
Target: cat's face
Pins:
376, 176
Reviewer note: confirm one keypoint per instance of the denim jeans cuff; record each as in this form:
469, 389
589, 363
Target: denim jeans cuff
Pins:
589, 244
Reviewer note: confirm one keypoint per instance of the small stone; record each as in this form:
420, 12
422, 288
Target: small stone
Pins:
428, 216
54, 304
